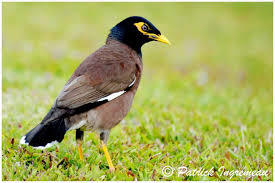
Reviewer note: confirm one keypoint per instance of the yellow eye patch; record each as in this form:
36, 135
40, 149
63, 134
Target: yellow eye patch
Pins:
140, 26
153, 36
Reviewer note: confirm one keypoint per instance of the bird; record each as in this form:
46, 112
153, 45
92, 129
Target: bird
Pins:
100, 92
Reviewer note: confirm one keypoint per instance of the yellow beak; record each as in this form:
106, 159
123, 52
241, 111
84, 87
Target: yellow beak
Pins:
160, 38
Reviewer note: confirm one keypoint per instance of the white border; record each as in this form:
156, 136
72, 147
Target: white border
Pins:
136, 1
1, 93
132, 1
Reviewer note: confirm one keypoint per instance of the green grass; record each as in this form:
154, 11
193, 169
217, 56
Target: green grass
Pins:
205, 101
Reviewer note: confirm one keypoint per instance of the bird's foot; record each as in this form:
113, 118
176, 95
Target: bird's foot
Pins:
80, 150
108, 158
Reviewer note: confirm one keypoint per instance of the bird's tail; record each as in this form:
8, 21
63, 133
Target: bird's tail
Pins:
45, 135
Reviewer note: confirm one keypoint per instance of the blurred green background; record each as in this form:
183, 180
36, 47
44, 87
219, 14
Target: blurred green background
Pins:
212, 88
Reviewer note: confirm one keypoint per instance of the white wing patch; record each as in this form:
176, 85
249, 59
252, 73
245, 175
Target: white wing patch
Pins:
112, 96
23, 141
132, 83
117, 94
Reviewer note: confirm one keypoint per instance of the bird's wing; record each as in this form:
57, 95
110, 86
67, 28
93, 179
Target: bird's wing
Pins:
95, 81
79, 92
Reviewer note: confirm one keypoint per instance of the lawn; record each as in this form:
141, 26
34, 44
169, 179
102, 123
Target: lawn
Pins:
203, 102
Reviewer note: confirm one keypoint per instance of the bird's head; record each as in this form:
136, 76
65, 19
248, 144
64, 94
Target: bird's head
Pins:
136, 31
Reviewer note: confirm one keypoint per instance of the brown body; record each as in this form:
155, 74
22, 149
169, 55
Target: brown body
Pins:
112, 71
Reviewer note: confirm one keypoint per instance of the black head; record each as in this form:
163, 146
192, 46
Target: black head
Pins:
136, 31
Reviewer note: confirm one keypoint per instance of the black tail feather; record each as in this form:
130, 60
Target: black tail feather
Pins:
53, 127
46, 133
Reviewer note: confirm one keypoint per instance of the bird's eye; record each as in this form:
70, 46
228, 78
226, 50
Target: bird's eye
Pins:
144, 27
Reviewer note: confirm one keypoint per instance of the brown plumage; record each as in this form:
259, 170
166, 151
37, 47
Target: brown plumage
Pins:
100, 92
98, 76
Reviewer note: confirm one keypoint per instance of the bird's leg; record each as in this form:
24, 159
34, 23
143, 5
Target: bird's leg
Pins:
104, 135
79, 139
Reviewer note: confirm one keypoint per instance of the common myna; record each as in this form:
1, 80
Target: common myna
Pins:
100, 92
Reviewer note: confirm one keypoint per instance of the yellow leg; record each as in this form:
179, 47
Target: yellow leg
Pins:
80, 149
108, 158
